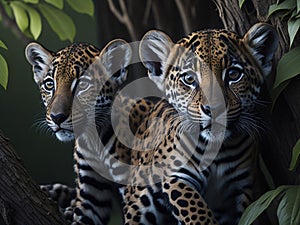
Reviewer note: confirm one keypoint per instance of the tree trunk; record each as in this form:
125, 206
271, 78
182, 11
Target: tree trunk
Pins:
285, 118
21, 200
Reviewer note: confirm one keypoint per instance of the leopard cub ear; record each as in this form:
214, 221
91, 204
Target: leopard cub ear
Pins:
40, 58
154, 50
262, 42
115, 57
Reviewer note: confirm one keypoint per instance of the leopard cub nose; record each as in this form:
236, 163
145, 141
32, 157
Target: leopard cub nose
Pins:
58, 118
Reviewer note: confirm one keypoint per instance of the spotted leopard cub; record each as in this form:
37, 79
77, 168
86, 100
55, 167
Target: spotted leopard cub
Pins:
200, 141
78, 85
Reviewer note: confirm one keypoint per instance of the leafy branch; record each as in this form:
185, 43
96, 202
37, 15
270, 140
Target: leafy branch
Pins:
288, 66
286, 198
288, 208
24, 18
3, 68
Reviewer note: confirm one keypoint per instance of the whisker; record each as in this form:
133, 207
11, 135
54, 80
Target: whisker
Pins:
42, 127
252, 124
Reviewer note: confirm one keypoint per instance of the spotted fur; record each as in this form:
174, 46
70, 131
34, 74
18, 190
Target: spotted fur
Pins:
78, 85
203, 141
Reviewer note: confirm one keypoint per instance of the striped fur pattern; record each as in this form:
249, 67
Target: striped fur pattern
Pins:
101, 166
81, 74
204, 142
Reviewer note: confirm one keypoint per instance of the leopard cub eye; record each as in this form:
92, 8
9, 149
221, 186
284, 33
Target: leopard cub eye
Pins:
83, 84
48, 84
188, 79
234, 74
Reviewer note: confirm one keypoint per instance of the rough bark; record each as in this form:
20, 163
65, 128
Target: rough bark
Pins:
285, 125
21, 200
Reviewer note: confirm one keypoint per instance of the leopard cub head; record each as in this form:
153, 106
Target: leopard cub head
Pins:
212, 77
78, 73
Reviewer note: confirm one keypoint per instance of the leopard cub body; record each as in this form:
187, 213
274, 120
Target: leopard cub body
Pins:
78, 85
196, 162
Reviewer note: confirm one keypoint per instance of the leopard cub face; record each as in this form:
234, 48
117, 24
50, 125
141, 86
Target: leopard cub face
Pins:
213, 77
81, 74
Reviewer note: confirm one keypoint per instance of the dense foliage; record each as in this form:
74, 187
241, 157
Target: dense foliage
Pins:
287, 196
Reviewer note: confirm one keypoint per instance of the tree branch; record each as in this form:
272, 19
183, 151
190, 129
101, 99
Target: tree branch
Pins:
21, 200
147, 11
157, 16
184, 16
11, 24
123, 17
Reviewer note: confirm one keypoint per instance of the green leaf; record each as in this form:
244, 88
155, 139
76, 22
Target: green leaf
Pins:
2, 45
82, 6
60, 22
3, 72
57, 3
288, 211
35, 25
285, 5
35, 22
287, 14
288, 66
20, 15
31, 1
241, 2
256, 208
294, 14
293, 27
298, 7
295, 156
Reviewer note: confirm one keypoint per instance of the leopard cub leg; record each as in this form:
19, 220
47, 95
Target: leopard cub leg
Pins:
62, 194
187, 205
64, 197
